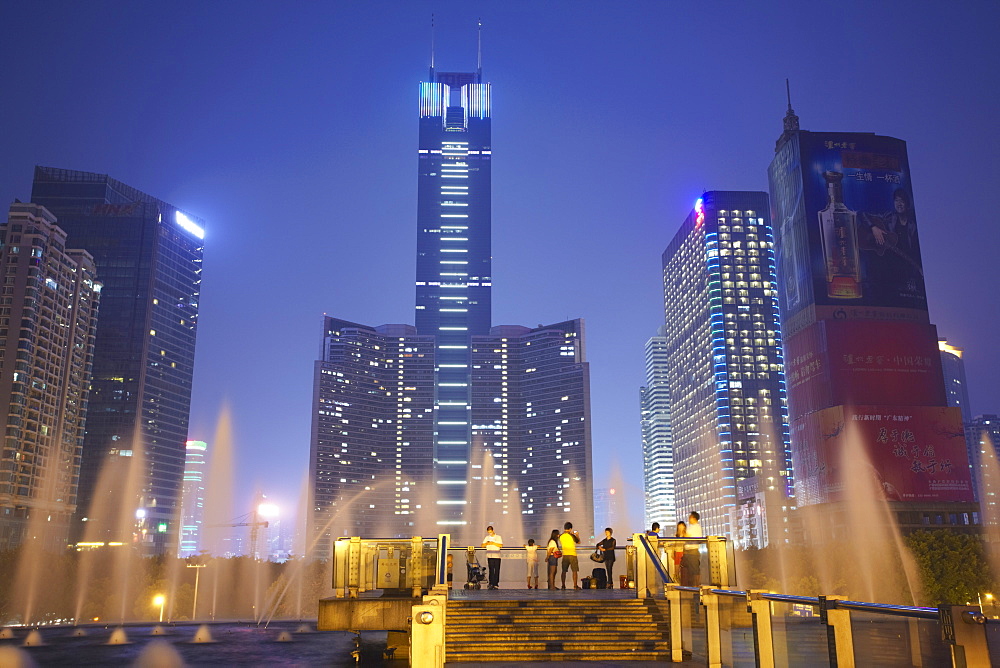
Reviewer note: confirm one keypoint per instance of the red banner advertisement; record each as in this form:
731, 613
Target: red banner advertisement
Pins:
915, 453
837, 362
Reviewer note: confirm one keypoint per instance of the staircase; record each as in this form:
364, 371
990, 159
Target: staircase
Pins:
478, 631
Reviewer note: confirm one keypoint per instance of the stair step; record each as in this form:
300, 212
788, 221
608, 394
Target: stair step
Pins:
646, 627
553, 635
581, 655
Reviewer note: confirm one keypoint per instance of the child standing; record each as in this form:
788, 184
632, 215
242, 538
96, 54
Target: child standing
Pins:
532, 561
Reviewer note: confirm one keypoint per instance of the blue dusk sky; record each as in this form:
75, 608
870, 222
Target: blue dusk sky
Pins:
291, 129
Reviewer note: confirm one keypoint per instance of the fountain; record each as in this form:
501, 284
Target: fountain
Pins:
12, 657
6, 633
304, 628
34, 639
159, 654
118, 637
284, 636
202, 635
78, 633
158, 631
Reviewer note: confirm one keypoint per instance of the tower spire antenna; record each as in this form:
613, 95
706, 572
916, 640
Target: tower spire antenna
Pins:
790, 123
479, 51
432, 48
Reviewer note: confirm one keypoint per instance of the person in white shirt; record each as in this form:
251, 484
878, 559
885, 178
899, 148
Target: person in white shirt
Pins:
691, 561
493, 542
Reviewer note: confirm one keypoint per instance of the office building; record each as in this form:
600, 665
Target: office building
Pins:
657, 444
149, 257
955, 386
193, 498
451, 424
725, 370
48, 321
865, 385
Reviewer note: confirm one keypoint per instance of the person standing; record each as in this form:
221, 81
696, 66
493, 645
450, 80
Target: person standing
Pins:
607, 549
493, 542
654, 530
691, 561
531, 559
552, 554
677, 549
567, 543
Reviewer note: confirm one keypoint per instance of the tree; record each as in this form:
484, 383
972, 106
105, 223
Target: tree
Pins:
953, 567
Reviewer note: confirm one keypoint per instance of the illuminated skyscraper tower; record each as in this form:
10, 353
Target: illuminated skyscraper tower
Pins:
726, 371
452, 424
453, 262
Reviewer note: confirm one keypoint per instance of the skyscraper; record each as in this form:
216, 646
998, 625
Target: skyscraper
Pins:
955, 386
657, 440
866, 394
149, 257
453, 261
193, 499
450, 424
726, 369
48, 320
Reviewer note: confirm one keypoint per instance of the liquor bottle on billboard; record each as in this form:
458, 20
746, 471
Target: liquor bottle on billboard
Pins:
838, 227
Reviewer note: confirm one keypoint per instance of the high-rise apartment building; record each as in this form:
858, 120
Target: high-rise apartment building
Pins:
866, 394
193, 498
372, 459
725, 370
149, 257
48, 321
450, 424
657, 442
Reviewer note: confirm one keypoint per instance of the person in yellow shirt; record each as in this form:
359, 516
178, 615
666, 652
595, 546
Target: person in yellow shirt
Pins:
567, 542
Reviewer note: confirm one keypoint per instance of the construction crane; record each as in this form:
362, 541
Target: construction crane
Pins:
254, 521
249, 520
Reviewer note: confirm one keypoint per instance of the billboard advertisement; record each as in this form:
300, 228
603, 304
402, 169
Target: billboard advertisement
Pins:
913, 454
846, 230
835, 362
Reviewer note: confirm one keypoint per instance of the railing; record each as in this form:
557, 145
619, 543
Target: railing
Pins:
726, 627
718, 624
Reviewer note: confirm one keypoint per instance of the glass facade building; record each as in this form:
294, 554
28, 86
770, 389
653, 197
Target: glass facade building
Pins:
657, 438
48, 322
453, 277
149, 257
726, 369
193, 499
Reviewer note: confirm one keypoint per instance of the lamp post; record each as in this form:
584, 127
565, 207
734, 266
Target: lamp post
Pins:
197, 573
159, 600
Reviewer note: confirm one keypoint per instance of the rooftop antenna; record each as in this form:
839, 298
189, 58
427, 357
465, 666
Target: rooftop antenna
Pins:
432, 48
479, 51
790, 124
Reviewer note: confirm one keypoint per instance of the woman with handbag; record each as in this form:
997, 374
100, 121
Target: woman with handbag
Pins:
606, 548
552, 554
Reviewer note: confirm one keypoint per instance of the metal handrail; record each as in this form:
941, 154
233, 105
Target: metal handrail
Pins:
880, 608
653, 557
886, 609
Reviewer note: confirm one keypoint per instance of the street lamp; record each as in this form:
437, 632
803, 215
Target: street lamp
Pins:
197, 573
159, 600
